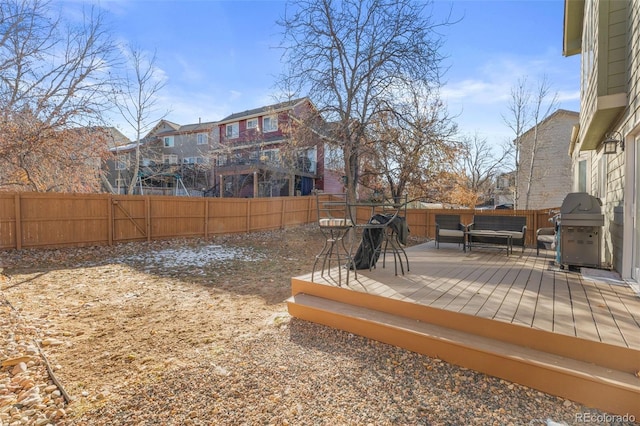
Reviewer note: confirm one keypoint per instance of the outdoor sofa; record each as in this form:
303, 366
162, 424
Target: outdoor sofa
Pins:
507, 231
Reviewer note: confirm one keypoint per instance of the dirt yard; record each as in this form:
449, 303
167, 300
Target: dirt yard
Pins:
148, 305
197, 332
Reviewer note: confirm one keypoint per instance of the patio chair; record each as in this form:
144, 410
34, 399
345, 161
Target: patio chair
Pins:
334, 220
449, 229
545, 239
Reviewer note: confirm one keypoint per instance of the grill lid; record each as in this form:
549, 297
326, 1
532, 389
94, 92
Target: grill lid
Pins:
580, 204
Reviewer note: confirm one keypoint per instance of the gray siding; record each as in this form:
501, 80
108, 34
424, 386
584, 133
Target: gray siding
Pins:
552, 177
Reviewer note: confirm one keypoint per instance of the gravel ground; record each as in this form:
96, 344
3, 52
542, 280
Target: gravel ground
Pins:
196, 332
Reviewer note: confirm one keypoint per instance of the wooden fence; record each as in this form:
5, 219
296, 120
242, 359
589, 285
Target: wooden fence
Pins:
36, 220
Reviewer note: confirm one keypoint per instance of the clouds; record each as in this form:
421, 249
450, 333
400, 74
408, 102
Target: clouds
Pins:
480, 94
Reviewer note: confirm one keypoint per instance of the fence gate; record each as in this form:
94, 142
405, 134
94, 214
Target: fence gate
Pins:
130, 219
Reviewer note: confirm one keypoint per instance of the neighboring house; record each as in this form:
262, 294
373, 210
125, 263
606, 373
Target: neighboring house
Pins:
544, 177
606, 34
263, 152
119, 168
503, 193
174, 160
184, 162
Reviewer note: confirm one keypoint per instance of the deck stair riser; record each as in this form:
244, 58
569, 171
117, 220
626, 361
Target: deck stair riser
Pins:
483, 345
602, 354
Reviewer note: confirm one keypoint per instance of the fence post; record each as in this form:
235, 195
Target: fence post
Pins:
206, 217
110, 224
248, 214
282, 206
18, 222
147, 216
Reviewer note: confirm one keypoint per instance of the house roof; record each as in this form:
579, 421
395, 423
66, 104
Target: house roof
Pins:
256, 112
198, 126
117, 138
553, 116
174, 128
113, 136
129, 147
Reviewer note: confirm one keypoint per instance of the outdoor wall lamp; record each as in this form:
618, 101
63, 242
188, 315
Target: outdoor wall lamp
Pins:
611, 141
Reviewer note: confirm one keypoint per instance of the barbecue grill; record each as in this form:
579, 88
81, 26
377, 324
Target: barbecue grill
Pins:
580, 224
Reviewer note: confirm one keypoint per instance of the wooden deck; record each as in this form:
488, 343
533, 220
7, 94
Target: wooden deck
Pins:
589, 318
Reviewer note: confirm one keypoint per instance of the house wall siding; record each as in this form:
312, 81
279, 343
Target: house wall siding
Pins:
632, 118
616, 49
589, 71
186, 145
630, 122
552, 173
622, 63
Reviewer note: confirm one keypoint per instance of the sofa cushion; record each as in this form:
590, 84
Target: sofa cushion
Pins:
548, 239
516, 235
451, 233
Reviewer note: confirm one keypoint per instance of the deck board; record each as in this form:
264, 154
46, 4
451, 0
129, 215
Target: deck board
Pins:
563, 319
625, 322
582, 314
543, 316
486, 289
522, 289
509, 307
525, 311
603, 317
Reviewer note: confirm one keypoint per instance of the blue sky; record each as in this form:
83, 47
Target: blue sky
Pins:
219, 57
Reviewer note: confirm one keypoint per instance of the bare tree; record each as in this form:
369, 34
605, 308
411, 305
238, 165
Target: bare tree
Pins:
526, 110
543, 104
478, 167
53, 78
411, 146
351, 56
518, 119
136, 98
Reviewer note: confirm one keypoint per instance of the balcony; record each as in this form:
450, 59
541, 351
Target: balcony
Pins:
247, 164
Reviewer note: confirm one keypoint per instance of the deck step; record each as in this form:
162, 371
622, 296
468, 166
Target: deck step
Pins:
592, 385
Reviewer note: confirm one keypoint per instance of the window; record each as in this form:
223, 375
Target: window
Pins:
582, 176
121, 162
252, 124
222, 160
146, 161
168, 141
270, 156
194, 160
170, 159
232, 130
602, 178
270, 124
312, 154
202, 138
